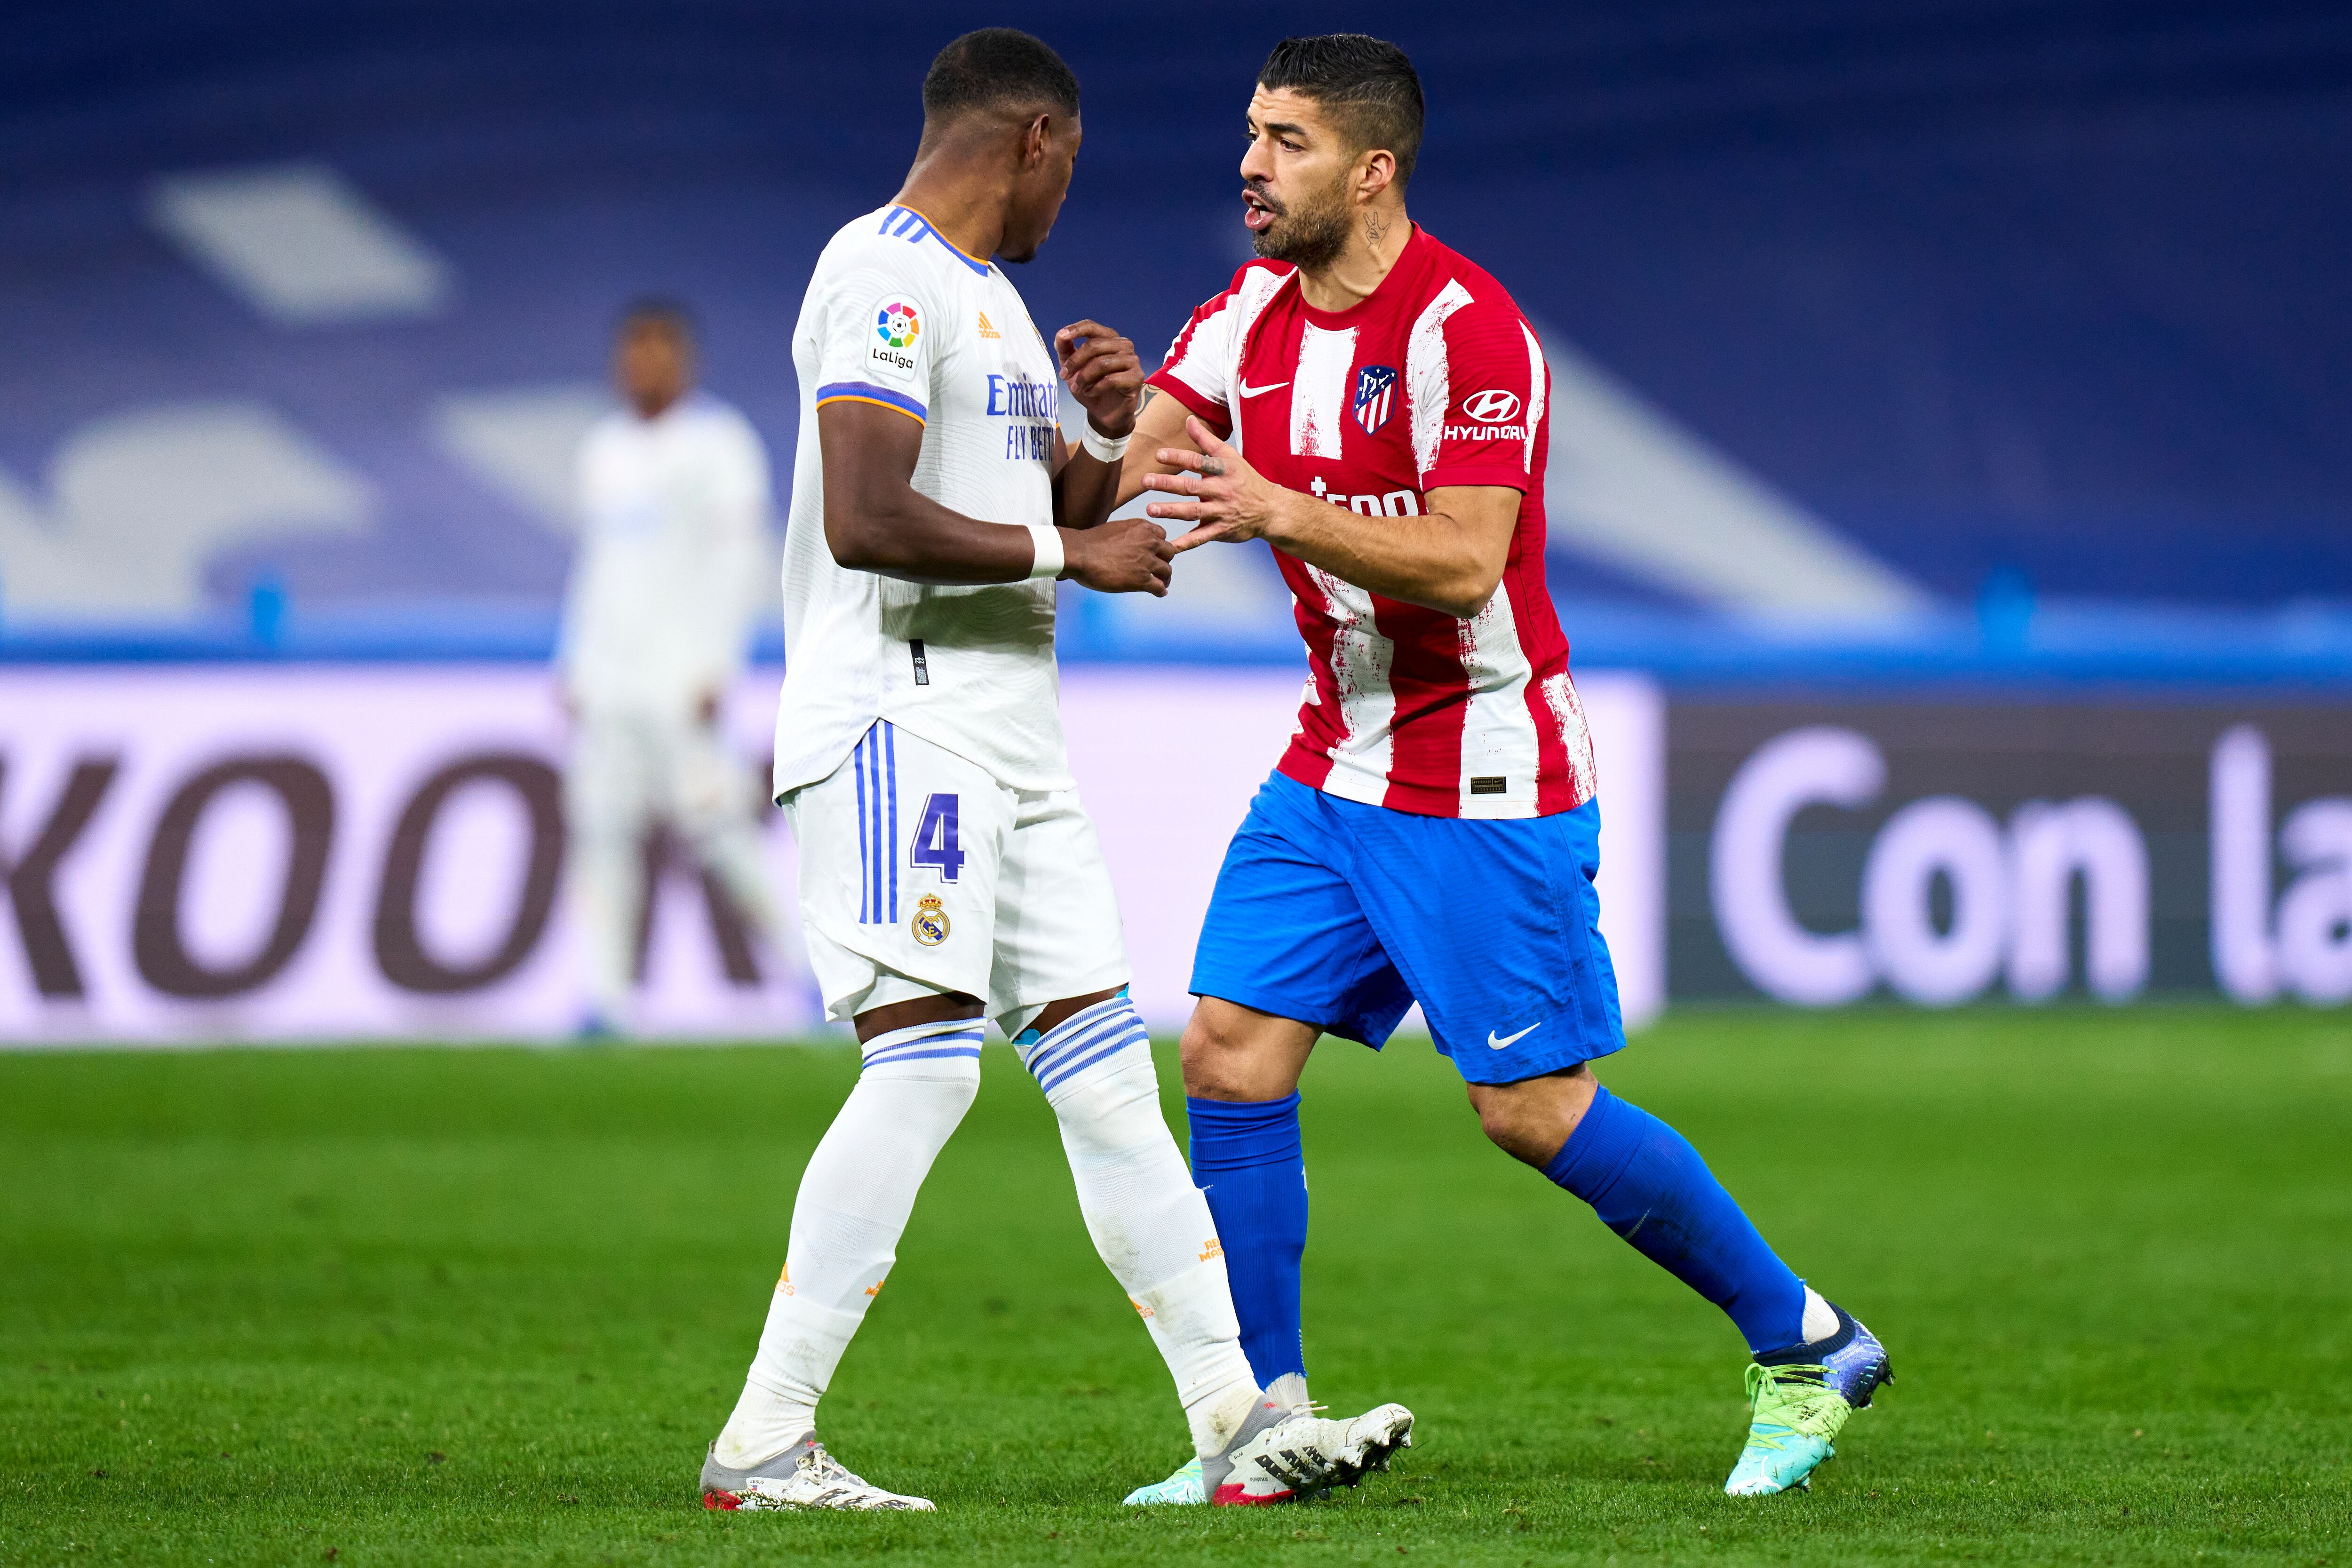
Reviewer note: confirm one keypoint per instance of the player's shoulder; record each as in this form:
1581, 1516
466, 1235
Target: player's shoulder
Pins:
898, 243
608, 430
1257, 280
1481, 325
860, 246
1473, 295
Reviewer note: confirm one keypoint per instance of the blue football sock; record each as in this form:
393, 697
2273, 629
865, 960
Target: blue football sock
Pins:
1247, 1163
1649, 1186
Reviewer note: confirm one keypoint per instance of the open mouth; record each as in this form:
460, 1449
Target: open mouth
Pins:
1258, 212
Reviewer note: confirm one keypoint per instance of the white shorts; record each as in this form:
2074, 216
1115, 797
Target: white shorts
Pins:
629, 766
921, 873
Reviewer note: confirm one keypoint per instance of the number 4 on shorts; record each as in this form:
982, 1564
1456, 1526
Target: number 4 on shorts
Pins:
938, 840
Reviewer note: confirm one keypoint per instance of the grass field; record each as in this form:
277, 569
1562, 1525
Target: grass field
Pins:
412, 1306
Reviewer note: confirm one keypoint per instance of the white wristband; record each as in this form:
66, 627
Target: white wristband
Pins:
1102, 446
1046, 539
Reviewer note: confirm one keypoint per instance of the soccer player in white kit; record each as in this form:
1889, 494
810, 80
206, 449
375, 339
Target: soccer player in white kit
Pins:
673, 501
948, 875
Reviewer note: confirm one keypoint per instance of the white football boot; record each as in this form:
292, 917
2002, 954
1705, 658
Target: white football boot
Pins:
1282, 1454
803, 1475
1183, 1489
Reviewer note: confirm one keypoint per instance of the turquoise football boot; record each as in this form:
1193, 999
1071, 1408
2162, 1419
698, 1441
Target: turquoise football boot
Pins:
1184, 1487
1799, 1400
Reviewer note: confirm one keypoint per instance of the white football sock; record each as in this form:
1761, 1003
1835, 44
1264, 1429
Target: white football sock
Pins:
608, 891
1290, 1389
853, 1206
1821, 1318
1148, 1222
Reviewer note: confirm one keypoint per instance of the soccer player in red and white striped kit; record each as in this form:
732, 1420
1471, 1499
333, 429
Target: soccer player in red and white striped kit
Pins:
1373, 404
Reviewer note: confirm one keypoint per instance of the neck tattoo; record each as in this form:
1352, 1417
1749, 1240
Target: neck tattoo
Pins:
1376, 229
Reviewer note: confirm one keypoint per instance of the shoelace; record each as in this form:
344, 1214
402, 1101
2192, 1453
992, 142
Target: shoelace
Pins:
825, 1467
1787, 1400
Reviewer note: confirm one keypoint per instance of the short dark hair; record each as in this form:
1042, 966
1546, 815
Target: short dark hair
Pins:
656, 311
998, 67
1368, 83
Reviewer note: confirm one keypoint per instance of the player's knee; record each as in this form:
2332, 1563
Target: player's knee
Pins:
953, 1081
1112, 1105
1216, 1060
1496, 1120
1526, 1126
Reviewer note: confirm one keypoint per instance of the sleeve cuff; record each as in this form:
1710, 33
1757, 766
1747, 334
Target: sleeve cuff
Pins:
1183, 391
1502, 477
867, 392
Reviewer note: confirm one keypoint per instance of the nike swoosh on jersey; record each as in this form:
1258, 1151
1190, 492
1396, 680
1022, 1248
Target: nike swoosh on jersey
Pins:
1249, 391
1511, 1039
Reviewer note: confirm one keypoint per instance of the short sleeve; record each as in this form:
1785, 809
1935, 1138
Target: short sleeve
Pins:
1495, 389
881, 335
1199, 361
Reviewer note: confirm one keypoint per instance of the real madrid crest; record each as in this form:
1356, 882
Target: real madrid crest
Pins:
929, 922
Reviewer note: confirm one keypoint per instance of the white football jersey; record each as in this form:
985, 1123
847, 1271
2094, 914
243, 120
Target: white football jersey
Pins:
672, 514
897, 316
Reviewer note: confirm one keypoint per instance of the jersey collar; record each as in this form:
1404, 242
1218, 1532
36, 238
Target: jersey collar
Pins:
1411, 263
932, 230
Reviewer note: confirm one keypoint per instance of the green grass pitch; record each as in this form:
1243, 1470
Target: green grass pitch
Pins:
410, 1306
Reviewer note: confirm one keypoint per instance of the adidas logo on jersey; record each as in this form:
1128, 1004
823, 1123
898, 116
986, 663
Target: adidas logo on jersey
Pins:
985, 329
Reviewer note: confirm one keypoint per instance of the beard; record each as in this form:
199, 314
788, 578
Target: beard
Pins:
1310, 235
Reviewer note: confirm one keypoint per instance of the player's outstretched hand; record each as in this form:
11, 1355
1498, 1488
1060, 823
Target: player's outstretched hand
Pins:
1124, 555
1104, 375
1227, 497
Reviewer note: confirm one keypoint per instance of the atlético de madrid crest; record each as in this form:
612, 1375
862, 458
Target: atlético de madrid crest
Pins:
1375, 396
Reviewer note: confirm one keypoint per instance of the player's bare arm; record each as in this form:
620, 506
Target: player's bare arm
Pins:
876, 521
1104, 375
1449, 559
1159, 427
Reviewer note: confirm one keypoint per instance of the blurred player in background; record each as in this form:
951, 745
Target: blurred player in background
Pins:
948, 875
673, 501
1373, 404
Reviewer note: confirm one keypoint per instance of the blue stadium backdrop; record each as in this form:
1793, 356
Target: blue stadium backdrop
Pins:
1951, 486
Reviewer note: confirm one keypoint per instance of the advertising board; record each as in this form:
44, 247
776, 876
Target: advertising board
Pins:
217, 852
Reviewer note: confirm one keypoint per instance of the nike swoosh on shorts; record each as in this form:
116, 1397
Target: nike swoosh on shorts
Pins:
1494, 1044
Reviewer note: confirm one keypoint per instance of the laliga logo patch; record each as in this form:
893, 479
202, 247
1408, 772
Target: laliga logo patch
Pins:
1375, 396
896, 324
1493, 407
896, 328
929, 923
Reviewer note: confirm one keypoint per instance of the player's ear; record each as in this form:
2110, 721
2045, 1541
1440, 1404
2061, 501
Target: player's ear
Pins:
1375, 171
1035, 138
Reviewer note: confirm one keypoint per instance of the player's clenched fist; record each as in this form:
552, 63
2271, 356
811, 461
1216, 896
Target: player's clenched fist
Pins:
1225, 495
1103, 373
1124, 555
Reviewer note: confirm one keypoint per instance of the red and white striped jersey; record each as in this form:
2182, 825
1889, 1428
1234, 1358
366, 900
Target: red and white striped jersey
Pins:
1435, 380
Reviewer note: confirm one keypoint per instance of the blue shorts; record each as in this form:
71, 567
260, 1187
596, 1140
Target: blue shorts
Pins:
1342, 915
